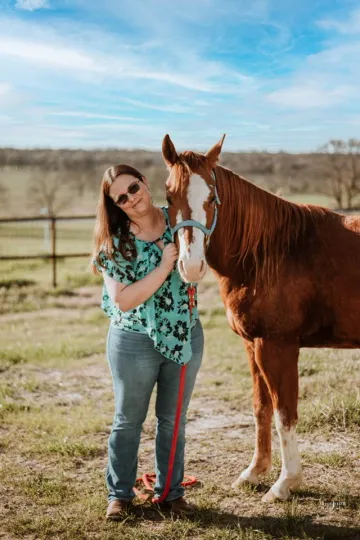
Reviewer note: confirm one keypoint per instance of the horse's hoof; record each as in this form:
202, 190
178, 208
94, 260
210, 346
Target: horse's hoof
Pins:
239, 482
245, 478
296, 483
271, 497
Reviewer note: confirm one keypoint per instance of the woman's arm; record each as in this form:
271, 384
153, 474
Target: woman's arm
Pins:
128, 297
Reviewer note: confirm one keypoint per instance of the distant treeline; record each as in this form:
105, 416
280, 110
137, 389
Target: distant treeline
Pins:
334, 170
292, 172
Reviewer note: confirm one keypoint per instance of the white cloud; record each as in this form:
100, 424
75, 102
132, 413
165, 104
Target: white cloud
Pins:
166, 108
185, 80
9, 97
5, 89
5, 118
95, 116
256, 126
350, 26
53, 136
306, 129
306, 96
88, 47
112, 127
121, 128
338, 59
31, 5
195, 74
329, 79
53, 54
46, 54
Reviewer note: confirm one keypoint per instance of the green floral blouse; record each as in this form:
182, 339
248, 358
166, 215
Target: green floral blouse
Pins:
165, 316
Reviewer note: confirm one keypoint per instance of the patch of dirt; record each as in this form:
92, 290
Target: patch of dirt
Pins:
319, 443
83, 297
219, 421
61, 387
42, 313
209, 415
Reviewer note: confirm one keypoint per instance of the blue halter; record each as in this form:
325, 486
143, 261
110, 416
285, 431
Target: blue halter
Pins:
193, 223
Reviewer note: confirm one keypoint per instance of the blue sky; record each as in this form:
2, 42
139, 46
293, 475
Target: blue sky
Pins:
271, 74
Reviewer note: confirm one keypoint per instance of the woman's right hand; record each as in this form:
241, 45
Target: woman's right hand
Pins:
169, 256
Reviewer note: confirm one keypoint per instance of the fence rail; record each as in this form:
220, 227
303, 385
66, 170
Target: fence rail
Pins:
45, 218
50, 238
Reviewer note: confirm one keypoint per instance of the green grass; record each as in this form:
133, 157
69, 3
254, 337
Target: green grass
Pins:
46, 490
18, 279
34, 237
333, 460
71, 449
337, 413
56, 413
58, 354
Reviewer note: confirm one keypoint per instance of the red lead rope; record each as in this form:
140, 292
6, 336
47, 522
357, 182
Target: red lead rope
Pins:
148, 479
191, 295
175, 437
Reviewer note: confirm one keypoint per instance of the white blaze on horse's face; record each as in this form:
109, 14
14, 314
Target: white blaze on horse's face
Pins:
192, 262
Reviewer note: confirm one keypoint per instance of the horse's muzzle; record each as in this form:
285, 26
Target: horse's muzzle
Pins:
192, 272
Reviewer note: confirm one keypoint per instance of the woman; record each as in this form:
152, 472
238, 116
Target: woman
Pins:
151, 333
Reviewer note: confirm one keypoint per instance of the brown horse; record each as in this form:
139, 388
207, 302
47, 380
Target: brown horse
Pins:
289, 277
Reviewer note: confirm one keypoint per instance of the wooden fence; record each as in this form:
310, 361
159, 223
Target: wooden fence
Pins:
50, 226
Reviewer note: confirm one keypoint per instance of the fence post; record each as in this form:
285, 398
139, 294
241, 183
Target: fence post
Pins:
53, 249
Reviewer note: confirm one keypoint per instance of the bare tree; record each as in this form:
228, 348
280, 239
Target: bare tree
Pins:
3, 196
342, 167
47, 190
353, 183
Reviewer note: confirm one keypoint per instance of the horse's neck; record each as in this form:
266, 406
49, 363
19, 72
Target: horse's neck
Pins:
221, 243
251, 223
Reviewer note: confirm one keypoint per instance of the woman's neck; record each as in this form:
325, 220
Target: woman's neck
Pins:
149, 225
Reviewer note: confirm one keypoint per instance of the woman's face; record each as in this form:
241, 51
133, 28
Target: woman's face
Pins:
137, 204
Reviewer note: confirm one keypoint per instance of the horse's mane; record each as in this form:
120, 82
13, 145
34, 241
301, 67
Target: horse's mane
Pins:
260, 227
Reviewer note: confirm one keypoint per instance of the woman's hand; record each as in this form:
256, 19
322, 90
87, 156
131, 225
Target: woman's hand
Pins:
128, 297
169, 256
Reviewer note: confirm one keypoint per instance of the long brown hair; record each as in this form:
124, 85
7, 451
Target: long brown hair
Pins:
112, 221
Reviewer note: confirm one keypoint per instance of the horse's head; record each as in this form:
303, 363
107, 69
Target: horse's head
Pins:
193, 205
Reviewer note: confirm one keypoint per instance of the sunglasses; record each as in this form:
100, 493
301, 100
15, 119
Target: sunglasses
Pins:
124, 198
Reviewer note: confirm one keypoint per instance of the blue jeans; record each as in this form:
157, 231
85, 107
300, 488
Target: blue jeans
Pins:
136, 367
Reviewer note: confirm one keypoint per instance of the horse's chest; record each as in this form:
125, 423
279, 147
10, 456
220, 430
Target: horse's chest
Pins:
244, 323
253, 317
243, 317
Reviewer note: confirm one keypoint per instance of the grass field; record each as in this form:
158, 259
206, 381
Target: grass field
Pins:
56, 408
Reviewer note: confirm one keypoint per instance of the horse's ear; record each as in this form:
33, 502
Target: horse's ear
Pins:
213, 154
168, 150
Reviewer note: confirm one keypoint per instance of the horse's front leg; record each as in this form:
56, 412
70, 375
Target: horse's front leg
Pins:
278, 363
263, 410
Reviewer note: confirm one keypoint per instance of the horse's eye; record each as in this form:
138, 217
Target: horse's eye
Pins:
212, 199
168, 198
